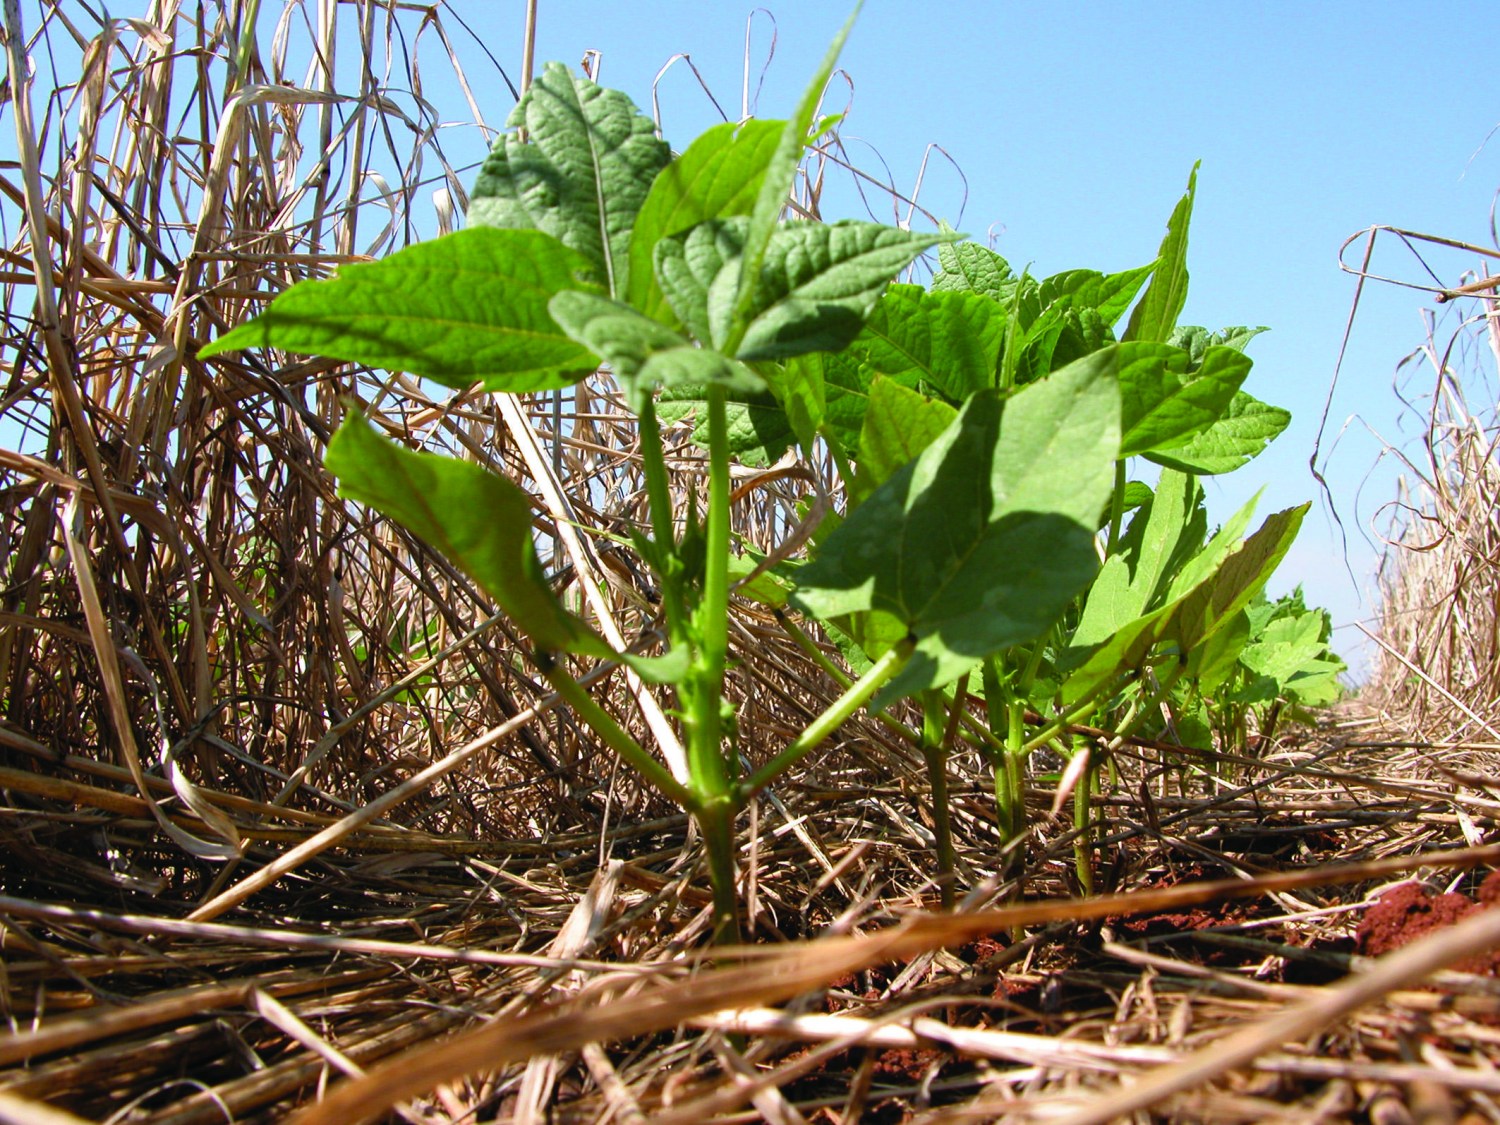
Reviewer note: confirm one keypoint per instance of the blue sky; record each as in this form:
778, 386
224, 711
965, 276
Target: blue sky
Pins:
1075, 126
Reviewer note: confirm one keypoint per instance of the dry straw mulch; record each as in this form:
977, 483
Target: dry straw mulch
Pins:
289, 826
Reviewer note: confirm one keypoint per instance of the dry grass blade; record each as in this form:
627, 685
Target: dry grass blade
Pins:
1397, 970
779, 973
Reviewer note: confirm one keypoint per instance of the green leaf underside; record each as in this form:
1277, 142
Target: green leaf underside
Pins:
1133, 580
1194, 614
983, 540
719, 176
1246, 428
582, 175
476, 518
470, 307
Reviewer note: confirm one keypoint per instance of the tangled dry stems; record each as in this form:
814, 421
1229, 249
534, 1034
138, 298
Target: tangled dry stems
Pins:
204, 653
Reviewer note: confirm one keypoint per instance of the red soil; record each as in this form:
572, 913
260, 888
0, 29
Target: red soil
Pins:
1406, 913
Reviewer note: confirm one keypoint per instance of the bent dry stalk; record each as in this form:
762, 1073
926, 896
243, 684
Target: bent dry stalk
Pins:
980, 429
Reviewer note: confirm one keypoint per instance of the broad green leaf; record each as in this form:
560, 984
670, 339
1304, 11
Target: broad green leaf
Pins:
846, 395
719, 175
479, 520
819, 282
1156, 316
899, 423
983, 540
776, 186
948, 340
769, 588
581, 175
870, 635
967, 267
1247, 427
469, 307
1164, 403
1317, 683
1286, 646
670, 667
644, 353
1206, 559
1137, 494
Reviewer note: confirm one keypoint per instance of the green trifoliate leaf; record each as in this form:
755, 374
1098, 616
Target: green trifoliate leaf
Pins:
984, 539
479, 520
582, 174
720, 175
471, 306
1156, 316
1246, 428
949, 341
819, 283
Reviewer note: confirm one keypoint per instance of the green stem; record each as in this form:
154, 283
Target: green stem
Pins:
1005, 716
615, 736
936, 755
702, 690
713, 612
1060, 724
1117, 507
659, 500
838, 713
716, 821
811, 650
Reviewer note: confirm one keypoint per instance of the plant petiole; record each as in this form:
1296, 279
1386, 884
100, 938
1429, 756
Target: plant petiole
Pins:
614, 735
838, 713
